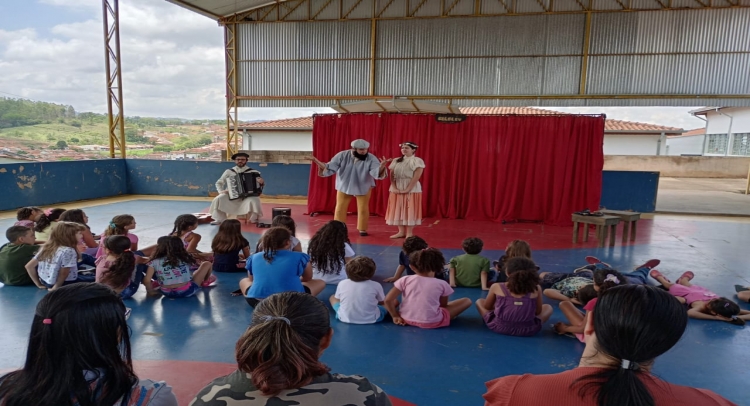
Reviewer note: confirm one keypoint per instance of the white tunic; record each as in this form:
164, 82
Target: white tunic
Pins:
239, 206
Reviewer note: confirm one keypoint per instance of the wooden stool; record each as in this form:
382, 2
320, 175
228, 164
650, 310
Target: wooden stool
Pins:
628, 217
601, 223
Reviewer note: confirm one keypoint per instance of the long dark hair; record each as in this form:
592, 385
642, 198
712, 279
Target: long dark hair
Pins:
281, 347
79, 327
522, 276
636, 323
74, 216
229, 238
326, 248
410, 145
172, 249
121, 270
46, 219
182, 223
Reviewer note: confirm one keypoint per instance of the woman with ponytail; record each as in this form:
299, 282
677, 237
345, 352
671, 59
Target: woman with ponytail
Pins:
615, 369
515, 307
79, 354
278, 361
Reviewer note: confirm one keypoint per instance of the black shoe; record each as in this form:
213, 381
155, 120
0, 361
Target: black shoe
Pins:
363, 234
740, 288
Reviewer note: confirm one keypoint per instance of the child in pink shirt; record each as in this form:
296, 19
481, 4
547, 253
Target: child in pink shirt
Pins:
424, 298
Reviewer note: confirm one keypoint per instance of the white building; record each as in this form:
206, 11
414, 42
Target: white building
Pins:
690, 143
727, 132
620, 137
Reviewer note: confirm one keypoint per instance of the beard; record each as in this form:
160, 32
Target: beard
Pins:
360, 156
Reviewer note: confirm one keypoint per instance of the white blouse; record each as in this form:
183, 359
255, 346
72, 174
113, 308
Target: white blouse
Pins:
402, 172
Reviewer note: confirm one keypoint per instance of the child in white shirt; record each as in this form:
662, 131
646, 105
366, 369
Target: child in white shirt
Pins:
358, 299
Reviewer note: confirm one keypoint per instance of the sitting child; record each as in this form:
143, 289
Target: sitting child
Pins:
278, 269
702, 303
184, 227
287, 222
118, 268
603, 279
16, 254
171, 264
329, 251
123, 224
515, 308
515, 249
46, 223
230, 247
56, 263
424, 298
411, 244
357, 300
470, 269
28, 216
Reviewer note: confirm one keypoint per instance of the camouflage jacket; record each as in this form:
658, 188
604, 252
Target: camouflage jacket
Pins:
325, 390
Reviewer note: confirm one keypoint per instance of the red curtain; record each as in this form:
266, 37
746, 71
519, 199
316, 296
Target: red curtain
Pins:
511, 168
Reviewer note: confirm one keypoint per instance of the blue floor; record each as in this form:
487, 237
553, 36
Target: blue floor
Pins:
429, 367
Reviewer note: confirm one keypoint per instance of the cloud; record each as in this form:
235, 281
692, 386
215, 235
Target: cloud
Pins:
172, 61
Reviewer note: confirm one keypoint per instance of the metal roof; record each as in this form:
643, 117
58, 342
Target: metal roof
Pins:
217, 9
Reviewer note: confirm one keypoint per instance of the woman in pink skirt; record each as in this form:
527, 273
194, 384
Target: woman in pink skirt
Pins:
405, 199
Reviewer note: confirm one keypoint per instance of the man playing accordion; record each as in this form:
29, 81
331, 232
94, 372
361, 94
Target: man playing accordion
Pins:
229, 188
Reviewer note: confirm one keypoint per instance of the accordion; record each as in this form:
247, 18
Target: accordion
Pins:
244, 184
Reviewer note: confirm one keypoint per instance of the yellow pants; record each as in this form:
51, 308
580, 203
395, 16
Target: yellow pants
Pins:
363, 208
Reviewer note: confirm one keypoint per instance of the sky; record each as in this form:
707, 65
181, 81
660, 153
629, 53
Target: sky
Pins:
172, 62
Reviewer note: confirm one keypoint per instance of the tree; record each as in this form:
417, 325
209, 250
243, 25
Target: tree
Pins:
76, 123
75, 140
62, 144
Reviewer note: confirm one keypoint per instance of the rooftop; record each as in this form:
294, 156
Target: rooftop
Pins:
610, 126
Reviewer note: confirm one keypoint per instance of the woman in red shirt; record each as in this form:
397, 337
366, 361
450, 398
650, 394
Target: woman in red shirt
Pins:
621, 347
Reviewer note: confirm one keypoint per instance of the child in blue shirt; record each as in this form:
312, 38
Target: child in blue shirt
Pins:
278, 269
411, 244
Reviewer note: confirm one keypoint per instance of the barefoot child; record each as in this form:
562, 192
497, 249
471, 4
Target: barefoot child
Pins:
515, 308
184, 227
358, 299
702, 303
424, 298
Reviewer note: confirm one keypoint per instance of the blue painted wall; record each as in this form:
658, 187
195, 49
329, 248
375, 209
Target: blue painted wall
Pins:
197, 178
46, 183
629, 190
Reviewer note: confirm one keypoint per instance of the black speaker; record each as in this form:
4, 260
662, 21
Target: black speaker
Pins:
281, 211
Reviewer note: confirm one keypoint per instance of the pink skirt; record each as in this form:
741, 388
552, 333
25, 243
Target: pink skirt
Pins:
404, 209
445, 321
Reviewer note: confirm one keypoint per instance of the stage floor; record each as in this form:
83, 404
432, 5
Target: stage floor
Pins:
190, 341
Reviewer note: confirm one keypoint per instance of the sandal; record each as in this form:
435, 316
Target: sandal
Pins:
688, 274
656, 274
740, 288
593, 260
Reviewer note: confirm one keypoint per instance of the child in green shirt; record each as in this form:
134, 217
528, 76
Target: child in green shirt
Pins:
16, 254
470, 269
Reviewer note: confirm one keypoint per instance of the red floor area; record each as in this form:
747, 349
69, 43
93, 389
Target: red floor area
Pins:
448, 233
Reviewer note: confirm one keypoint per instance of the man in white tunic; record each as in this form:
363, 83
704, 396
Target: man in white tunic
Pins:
221, 206
356, 171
